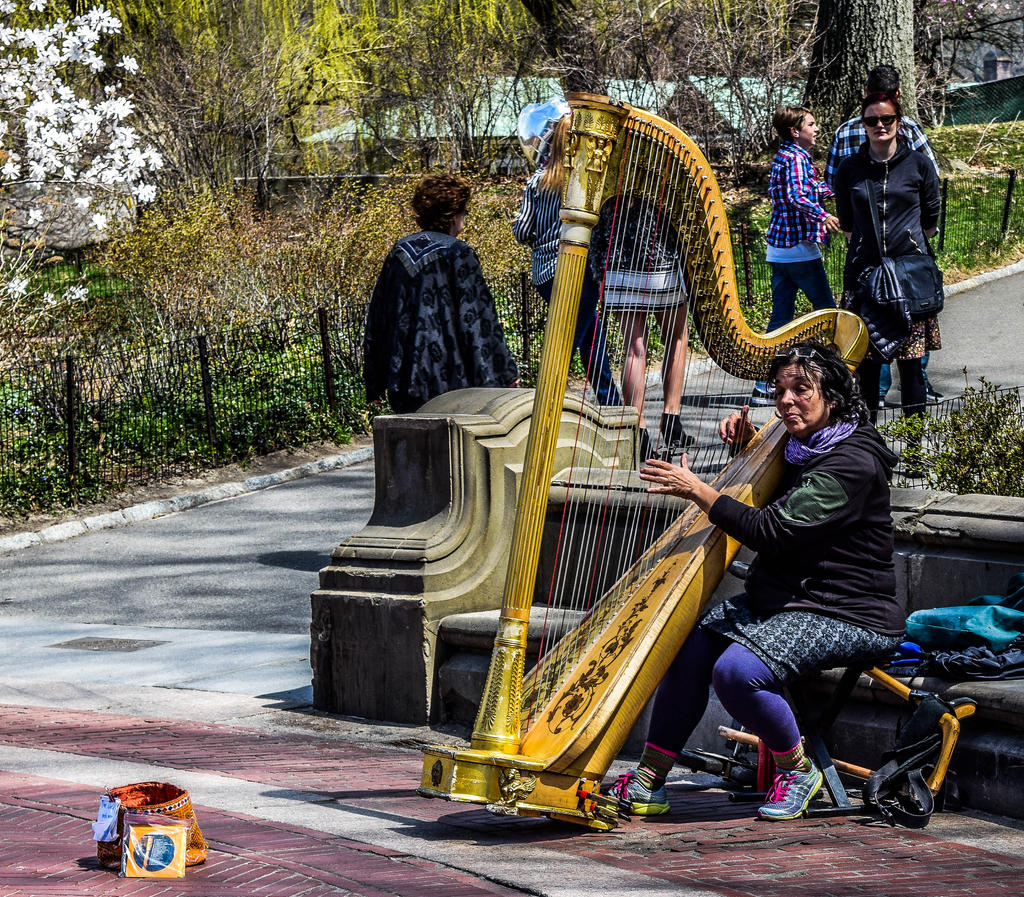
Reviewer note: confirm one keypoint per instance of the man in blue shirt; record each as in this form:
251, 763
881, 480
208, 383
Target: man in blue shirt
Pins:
849, 136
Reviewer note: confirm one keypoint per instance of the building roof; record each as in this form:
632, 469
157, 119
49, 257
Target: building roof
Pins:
495, 114
985, 101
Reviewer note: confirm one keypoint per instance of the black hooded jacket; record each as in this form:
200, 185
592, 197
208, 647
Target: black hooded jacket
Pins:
825, 542
431, 325
905, 190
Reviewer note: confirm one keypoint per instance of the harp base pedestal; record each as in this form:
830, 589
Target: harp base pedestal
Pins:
511, 785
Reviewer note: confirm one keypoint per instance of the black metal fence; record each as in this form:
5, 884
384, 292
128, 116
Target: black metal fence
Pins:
79, 427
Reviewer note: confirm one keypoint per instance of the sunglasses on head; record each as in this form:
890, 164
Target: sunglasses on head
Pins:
884, 120
798, 352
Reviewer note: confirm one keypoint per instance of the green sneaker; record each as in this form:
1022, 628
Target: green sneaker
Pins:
790, 793
636, 799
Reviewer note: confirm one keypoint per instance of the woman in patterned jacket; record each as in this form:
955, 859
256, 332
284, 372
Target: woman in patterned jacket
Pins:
431, 325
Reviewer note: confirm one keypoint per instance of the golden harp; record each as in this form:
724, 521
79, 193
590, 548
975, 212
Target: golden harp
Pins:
541, 744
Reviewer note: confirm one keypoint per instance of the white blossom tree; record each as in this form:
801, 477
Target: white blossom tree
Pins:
62, 139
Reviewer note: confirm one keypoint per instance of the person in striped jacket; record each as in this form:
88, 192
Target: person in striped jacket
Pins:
538, 226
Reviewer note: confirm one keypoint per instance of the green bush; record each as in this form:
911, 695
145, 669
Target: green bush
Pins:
216, 261
977, 448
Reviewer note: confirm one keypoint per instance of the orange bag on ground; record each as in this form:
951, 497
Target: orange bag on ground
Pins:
158, 798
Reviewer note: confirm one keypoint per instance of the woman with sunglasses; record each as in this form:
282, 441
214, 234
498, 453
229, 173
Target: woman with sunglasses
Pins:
821, 591
902, 185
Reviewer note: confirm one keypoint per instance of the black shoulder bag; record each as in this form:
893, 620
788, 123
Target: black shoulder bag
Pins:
879, 299
917, 274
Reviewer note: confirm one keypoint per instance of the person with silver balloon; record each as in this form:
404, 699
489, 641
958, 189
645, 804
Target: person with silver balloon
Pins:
542, 132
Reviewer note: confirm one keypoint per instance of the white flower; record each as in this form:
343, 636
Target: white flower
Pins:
35, 215
17, 286
99, 221
75, 294
47, 131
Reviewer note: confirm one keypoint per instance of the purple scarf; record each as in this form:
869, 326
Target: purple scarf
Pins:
820, 443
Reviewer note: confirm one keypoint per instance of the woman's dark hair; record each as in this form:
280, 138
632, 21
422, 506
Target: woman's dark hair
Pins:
824, 367
439, 199
879, 97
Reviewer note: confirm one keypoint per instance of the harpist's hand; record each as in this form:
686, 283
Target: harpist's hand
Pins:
677, 479
737, 430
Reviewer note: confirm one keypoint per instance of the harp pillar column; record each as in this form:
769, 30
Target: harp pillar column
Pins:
590, 144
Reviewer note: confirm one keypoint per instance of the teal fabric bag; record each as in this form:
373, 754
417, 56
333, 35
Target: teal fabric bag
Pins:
989, 621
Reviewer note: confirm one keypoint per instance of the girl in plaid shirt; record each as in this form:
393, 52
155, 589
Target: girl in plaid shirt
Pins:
799, 223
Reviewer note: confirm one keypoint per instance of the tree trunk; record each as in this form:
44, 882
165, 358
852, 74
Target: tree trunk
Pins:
565, 41
852, 37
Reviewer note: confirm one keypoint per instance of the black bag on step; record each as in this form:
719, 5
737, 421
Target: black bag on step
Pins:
898, 788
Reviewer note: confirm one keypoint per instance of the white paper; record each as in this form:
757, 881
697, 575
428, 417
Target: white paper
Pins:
105, 826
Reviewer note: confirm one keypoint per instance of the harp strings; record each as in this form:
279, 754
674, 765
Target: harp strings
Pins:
652, 234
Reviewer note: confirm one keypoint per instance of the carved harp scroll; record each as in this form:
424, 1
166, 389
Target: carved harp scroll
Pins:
542, 747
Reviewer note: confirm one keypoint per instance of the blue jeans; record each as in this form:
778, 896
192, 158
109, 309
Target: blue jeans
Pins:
787, 278
590, 342
884, 381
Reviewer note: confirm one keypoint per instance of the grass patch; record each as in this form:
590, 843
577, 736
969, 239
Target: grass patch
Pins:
998, 146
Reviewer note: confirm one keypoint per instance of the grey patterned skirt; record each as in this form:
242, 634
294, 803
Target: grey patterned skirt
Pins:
796, 642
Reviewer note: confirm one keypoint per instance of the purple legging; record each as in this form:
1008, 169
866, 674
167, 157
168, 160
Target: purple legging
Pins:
747, 688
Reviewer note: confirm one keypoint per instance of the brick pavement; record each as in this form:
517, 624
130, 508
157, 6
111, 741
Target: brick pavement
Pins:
706, 842
47, 851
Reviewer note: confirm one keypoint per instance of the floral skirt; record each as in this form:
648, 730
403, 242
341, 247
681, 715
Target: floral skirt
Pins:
924, 337
794, 643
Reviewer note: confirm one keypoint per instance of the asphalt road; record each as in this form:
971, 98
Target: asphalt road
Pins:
982, 331
247, 563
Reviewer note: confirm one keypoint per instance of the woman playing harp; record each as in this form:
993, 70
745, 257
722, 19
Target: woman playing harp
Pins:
821, 592
544, 739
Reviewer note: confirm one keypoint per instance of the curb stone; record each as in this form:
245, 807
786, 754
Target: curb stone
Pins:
985, 277
59, 532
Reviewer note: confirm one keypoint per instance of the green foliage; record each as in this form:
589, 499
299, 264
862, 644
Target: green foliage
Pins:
977, 449
217, 262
